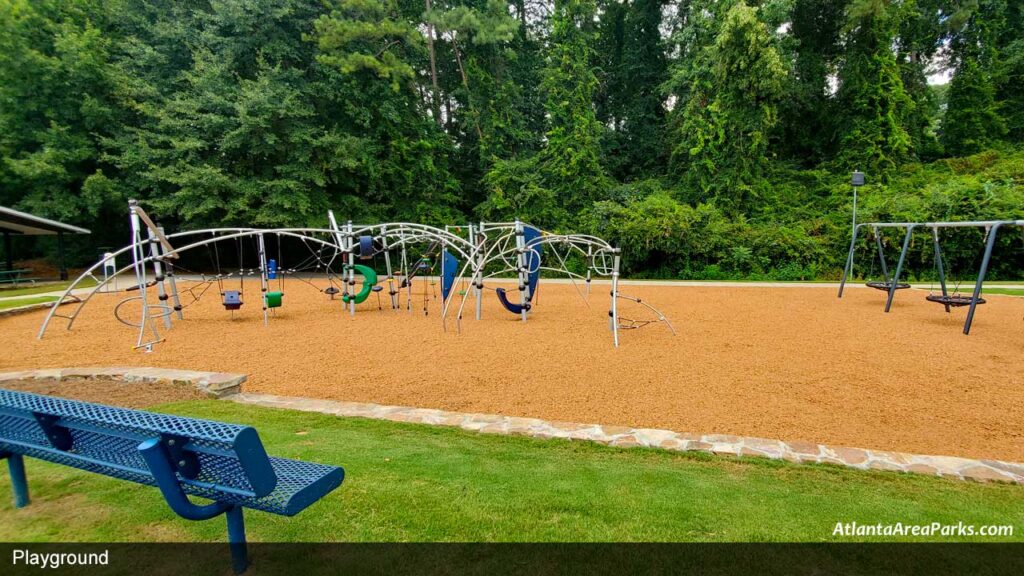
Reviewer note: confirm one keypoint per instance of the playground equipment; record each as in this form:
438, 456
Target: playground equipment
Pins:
948, 300
892, 284
459, 258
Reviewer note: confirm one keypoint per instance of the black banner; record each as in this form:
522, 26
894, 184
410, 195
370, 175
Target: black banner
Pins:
517, 559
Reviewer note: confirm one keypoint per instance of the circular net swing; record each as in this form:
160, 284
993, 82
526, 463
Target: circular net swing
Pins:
886, 284
956, 299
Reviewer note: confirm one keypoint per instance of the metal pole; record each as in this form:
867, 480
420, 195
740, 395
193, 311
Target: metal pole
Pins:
263, 274
170, 280
387, 265
60, 256
9, 250
350, 246
521, 264
16, 466
848, 269
590, 265
856, 181
478, 266
981, 276
615, 298
236, 539
161, 291
140, 278
939, 267
899, 267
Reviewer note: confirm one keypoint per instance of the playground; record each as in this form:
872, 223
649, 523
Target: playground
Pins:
791, 363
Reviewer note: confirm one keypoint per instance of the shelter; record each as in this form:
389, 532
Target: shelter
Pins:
15, 222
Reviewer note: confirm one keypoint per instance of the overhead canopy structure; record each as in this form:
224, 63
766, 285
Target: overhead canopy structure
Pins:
15, 222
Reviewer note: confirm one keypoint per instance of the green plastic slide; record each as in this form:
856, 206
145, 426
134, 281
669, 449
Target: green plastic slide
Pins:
369, 281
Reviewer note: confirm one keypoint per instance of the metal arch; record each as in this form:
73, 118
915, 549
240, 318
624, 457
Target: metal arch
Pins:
237, 233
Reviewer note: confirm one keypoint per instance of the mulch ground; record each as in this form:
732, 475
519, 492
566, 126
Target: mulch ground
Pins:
109, 391
785, 363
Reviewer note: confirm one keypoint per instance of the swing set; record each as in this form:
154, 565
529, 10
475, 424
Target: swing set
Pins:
947, 299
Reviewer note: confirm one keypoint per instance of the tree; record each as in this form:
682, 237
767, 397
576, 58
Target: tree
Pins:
973, 121
59, 98
806, 115
571, 159
723, 139
636, 67
873, 105
918, 41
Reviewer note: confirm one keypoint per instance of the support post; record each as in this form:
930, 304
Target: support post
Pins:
899, 267
523, 277
350, 247
175, 299
138, 264
614, 312
478, 254
19, 484
387, 265
9, 250
60, 256
236, 539
261, 246
981, 276
161, 291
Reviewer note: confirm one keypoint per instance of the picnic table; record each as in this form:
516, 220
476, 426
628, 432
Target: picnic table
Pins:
16, 276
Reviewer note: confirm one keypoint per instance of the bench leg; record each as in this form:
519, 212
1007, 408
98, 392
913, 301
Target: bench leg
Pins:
236, 539
16, 465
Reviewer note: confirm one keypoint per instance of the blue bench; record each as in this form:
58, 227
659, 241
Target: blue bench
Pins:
182, 457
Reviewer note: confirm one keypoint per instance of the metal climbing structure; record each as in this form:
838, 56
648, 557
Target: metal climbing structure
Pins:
454, 256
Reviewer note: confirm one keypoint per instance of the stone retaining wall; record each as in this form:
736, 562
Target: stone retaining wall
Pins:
213, 384
626, 437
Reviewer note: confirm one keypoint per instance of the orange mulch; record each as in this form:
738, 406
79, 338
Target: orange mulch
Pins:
786, 363
110, 391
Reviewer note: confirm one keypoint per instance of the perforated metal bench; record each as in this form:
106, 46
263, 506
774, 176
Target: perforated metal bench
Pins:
183, 457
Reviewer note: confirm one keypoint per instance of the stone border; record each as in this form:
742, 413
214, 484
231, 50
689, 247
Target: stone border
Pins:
212, 384
626, 437
28, 308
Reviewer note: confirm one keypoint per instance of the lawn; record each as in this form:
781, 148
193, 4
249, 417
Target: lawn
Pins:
420, 483
16, 302
44, 287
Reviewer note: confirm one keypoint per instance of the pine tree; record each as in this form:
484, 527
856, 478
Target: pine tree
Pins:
722, 142
635, 110
873, 104
973, 121
571, 159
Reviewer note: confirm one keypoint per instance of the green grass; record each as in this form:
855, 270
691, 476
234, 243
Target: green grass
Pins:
1005, 291
15, 302
420, 483
43, 287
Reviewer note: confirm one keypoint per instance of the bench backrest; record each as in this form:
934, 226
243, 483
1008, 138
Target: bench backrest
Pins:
212, 459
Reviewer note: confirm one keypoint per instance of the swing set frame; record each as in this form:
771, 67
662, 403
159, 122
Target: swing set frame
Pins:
992, 228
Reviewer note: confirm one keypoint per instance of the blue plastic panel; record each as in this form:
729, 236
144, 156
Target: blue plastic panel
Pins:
534, 254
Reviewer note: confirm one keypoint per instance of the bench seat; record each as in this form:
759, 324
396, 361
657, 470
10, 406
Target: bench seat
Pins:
182, 457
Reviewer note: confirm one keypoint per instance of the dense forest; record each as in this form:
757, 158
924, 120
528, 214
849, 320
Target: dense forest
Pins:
708, 138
